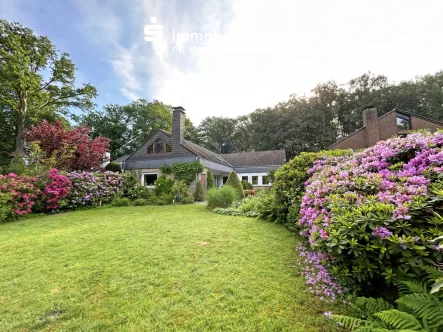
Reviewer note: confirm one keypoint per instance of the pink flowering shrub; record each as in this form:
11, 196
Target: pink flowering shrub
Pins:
56, 190
375, 212
17, 195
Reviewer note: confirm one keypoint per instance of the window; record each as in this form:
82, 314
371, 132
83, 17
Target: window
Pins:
403, 122
255, 180
265, 179
244, 178
149, 179
159, 147
225, 179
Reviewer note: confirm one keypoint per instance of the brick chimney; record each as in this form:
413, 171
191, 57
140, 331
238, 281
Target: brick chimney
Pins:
370, 121
178, 124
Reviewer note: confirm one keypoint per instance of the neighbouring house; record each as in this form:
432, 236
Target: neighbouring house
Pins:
395, 122
168, 148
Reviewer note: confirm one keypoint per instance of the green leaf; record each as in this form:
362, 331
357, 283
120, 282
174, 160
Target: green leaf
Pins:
398, 319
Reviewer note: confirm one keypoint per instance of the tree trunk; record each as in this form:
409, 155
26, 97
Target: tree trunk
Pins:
20, 124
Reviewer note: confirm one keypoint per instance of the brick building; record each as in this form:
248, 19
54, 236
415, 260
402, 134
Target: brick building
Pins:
381, 128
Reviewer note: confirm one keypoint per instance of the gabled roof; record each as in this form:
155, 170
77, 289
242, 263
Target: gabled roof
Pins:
122, 158
241, 159
257, 158
205, 153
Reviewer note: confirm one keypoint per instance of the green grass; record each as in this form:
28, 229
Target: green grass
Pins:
152, 269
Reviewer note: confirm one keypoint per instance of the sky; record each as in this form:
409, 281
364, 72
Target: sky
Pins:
230, 57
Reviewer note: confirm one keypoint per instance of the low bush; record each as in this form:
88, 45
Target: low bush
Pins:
263, 204
20, 194
234, 182
163, 186
232, 211
249, 193
187, 200
140, 202
221, 197
246, 185
121, 201
113, 167
165, 199
56, 188
139, 192
92, 189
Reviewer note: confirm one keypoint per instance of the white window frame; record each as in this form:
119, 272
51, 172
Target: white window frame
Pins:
142, 180
260, 179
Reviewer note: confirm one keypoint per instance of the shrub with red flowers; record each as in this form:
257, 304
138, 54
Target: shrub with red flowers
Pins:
375, 212
56, 190
17, 195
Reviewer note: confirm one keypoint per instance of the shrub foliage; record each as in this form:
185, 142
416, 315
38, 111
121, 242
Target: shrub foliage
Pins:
210, 181
234, 182
220, 197
377, 211
113, 167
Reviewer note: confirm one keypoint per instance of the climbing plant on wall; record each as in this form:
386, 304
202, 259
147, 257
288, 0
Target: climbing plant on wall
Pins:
183, 171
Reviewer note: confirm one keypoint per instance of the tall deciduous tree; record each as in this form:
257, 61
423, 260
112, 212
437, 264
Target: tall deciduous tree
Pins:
35, 78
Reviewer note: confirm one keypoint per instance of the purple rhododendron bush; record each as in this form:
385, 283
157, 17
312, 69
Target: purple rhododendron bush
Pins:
93, 189
373, 215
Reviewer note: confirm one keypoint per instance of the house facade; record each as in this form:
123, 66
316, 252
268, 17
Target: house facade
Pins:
375, 129
169, 148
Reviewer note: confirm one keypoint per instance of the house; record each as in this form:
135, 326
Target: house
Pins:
395, 122
168, 148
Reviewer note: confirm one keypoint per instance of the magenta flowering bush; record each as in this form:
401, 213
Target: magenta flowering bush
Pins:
375, 212
17, 195
89, 189
56, 190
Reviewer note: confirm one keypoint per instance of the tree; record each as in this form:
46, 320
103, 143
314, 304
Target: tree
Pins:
74, 149
234, 182
25, 59
130, 126
113, 167
210, 181
216, 134
199, 195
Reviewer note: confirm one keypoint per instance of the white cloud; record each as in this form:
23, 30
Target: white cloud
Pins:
269, 48
274, 48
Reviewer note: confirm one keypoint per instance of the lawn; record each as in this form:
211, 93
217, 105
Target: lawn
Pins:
152, 269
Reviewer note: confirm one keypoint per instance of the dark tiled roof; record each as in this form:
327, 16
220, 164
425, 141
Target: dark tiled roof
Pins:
122, 158
205, 153
258, 158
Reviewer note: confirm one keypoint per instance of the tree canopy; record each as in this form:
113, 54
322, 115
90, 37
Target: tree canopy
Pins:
36, 81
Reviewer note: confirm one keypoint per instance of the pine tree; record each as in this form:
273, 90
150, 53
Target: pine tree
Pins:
210, 182
198, 194
235, 183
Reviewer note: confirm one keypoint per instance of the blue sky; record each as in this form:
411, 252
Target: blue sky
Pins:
257, 53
